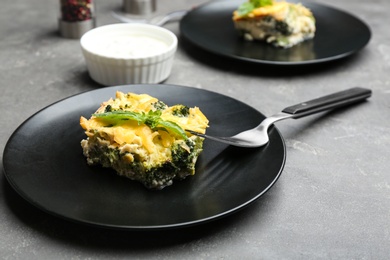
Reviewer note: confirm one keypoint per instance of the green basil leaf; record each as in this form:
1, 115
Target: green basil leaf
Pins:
115, 117
247, 7
173, 128
152, 119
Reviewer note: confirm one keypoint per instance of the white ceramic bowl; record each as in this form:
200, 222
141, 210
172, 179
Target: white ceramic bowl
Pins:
119, 54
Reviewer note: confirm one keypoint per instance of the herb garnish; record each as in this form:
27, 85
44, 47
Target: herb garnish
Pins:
247, 7
152, 119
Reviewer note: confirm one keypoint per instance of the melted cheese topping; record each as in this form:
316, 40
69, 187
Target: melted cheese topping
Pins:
141, 139
278, 10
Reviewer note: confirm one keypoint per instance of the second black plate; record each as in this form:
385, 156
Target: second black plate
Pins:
339, 34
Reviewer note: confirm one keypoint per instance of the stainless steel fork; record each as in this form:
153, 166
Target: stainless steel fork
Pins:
258, 136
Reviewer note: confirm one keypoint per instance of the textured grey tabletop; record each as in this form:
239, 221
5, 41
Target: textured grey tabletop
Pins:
332, 200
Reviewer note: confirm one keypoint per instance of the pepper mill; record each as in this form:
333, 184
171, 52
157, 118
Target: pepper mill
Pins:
139, 7
76, 18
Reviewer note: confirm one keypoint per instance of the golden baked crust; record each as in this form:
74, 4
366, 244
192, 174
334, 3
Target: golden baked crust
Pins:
143, 139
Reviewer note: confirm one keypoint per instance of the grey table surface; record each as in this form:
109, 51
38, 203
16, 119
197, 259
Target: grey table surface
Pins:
331, 202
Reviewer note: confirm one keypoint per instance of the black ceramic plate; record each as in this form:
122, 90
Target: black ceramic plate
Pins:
43, 162
338, 35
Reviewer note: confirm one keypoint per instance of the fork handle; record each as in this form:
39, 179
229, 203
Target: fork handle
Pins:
338, 99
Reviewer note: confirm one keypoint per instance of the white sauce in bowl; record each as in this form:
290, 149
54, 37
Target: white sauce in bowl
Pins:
130, 46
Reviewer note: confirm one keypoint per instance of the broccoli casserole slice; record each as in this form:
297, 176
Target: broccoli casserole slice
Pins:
143, 139
281, 23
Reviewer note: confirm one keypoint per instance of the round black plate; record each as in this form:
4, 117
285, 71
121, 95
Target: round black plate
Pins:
43, 162
338, 35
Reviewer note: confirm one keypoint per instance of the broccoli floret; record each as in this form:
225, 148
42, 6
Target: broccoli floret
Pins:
103, 155
186, 159
108, 109
160, 176
159, 105
282, 27
180, 156
181, 111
